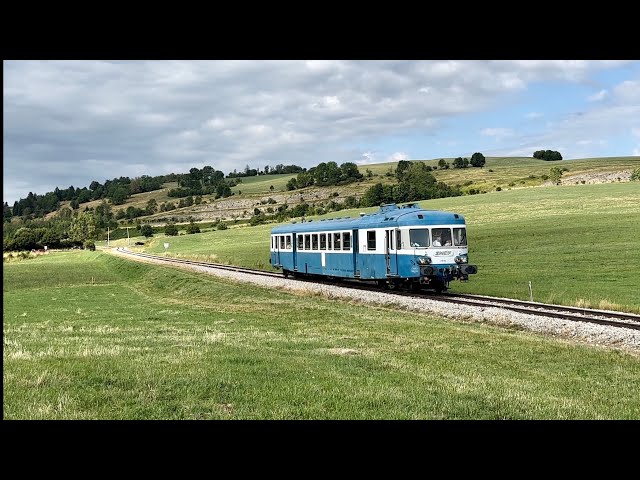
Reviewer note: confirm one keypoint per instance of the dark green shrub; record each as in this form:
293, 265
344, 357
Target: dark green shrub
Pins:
146, 230
170, 230
193, 228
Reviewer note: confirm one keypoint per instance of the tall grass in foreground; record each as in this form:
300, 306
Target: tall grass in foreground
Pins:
93, 336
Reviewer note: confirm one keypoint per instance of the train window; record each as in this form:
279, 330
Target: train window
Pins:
419, 237
398, 239
336, 241
459, 236
282, 242
441, 237
300, 242
323, 241
346, 240
289, 242
371, 240
314, 241
328, 241
307, 242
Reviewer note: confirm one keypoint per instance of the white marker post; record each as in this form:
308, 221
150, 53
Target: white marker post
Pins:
166, 246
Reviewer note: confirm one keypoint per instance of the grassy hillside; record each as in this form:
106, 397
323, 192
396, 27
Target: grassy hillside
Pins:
503, 172
262, 184
108, 338
577, 244
515, 172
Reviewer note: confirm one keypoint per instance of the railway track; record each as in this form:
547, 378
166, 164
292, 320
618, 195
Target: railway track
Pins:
602, 317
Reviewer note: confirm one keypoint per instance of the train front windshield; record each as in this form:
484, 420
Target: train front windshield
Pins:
419, 237
441, 237
460, 237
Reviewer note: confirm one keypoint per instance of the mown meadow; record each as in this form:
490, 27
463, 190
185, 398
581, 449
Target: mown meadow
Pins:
576, 244
88, 335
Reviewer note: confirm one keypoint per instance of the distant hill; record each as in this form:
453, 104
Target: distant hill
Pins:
499, 172
253, 192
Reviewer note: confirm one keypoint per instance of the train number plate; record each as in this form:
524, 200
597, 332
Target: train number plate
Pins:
441, 253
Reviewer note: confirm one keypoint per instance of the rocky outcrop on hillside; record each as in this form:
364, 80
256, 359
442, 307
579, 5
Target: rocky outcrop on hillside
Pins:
594, 177
232, 208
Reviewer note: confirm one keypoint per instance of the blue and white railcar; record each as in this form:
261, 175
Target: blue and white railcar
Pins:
399, 245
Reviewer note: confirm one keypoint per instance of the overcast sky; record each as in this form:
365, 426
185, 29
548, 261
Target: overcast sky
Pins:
71, 122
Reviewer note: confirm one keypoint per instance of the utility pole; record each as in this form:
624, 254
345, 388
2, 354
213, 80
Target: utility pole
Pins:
108, 236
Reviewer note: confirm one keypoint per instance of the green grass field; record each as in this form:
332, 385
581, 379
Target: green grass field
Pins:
262, 184
577, 244
88, 335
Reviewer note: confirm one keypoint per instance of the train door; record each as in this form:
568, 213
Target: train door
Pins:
390, 252
277, 239
354, 247
294, 245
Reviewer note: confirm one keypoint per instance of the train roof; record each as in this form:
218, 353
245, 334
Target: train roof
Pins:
388, 215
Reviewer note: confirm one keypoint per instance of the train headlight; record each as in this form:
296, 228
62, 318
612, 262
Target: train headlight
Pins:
424, 260
464, 258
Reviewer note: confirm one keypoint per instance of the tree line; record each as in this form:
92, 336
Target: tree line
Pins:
66, 229
415, 182
548, 155
116, 191
268, 170
205, 181
326, 174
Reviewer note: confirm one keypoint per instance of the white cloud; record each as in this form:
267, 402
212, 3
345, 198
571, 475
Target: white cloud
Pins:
258, 130
600, 122
497, 132
366, 158
628, 91
322, 66
188, 134
636, 152
180, 114
635, 132
596, 97
446, 68
397, 156
215, 123
570, 70
329, 102
583, 143
153, 119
